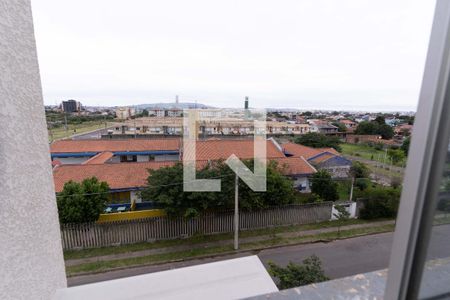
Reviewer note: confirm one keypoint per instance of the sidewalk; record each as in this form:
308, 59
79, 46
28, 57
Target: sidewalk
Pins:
72, 262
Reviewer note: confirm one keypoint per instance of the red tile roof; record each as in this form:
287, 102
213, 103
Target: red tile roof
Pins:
118, 176
330, 150
132, 175
297, 150
100, 158
56, 162
321, 158
295, 166
222, 149
65, 146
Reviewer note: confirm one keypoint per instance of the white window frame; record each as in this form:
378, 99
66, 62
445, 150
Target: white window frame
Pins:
428, 150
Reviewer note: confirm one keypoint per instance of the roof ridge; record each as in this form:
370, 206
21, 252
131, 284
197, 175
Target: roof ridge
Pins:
311, 166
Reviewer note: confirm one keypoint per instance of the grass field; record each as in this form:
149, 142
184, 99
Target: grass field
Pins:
367, 152
363, 151
386, 172
60, 133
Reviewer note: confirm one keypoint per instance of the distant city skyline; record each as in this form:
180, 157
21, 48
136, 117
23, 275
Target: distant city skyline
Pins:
346, 55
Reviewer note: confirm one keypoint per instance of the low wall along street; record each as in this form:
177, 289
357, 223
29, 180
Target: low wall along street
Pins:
92, 235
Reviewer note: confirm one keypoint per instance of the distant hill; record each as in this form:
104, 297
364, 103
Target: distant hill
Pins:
181, 105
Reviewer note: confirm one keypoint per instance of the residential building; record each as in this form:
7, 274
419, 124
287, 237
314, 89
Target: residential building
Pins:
321, 158
209, 125
125, 180
71, 106
160, 113
403, 130
124, 113
324, 128
124, 164
174, 112
350, 125
114, 151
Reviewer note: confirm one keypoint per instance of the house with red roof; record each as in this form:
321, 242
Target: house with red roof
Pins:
99, 158
127, 150
321, 158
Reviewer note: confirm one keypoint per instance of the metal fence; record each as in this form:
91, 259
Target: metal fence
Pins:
91, 235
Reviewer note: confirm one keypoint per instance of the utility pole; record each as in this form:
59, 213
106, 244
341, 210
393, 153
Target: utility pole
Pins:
351, 189
236, 213
65, 122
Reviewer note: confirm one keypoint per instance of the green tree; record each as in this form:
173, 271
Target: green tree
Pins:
359, 170
294, 275
323, 185
375, 127
80, 203
341, 127
145, 113
386, 131
405, 145
359, 173
381, 120
366, 127
397, 155
380, 202
318, 140
165, 188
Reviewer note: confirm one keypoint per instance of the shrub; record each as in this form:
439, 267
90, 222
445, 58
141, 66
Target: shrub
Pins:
396, 182
444, 205
82, 202
308, 198
396, 155
293, 275
318, 140
323, 185
359, 170
378, 146
362, 183
380, 202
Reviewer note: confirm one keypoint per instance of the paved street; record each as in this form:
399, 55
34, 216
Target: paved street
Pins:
340, 258
96, 134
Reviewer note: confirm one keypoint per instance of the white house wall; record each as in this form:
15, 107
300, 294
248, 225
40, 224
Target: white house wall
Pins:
72, 160
135, 196
167, 157
350, 207
142, 158
304, 183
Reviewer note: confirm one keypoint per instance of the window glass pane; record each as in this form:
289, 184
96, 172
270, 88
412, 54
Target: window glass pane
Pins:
435, 280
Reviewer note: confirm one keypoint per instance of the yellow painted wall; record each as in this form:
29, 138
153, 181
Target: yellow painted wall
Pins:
131, 215
119, 197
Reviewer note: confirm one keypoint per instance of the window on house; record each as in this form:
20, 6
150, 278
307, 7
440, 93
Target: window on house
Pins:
128, 158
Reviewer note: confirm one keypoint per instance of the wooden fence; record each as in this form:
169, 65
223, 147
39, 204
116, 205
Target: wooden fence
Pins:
91, 235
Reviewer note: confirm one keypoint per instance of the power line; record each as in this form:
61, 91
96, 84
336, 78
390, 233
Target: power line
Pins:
149, 186
181, 183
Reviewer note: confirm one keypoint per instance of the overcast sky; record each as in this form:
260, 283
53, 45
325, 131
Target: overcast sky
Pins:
323, 54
